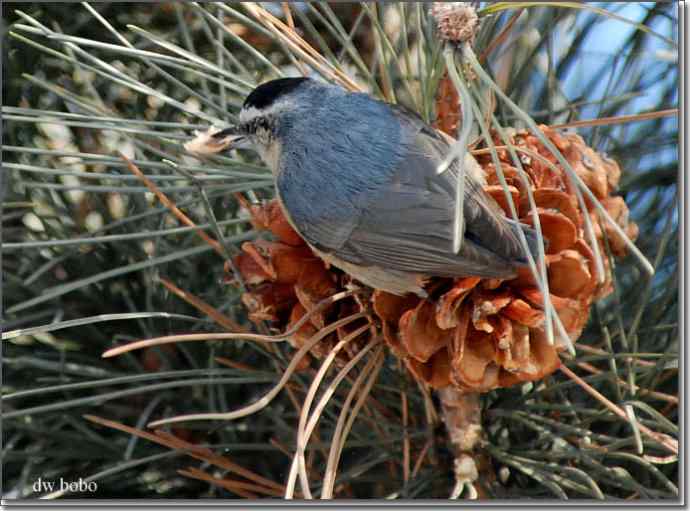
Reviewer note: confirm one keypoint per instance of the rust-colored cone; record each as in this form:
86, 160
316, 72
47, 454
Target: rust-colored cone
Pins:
474, 334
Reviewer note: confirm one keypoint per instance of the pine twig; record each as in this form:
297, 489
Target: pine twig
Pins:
667, 442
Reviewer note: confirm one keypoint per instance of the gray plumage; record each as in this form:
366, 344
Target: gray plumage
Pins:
357, 179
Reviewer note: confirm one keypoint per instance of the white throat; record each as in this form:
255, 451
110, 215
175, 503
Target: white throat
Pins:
270, 154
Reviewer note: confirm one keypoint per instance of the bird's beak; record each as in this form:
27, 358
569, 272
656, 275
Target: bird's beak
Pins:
215, 140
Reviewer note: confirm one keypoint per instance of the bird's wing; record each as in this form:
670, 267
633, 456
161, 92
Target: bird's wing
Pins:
406, 224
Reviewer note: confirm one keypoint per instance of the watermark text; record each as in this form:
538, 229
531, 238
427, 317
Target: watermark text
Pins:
63, 485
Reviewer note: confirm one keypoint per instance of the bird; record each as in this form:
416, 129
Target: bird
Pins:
357, 179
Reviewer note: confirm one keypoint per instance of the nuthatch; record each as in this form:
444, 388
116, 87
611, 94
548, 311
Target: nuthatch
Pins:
357, 179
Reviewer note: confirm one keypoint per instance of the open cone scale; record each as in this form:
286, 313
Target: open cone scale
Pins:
470, 333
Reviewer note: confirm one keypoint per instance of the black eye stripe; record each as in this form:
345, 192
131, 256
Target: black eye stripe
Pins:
258, 123
262, 123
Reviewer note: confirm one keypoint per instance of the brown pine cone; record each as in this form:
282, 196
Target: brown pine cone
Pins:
475, 334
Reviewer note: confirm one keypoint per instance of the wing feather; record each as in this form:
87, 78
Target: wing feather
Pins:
405, 224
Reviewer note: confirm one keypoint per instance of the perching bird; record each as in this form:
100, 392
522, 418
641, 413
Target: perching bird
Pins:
357, 179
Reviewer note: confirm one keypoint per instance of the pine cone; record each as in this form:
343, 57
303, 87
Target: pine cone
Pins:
475, 334
285, 279
447, 111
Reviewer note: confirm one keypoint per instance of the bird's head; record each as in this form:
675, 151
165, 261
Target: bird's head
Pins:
263, 114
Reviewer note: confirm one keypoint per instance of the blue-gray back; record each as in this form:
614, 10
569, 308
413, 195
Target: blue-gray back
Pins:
358, 180
324, 172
